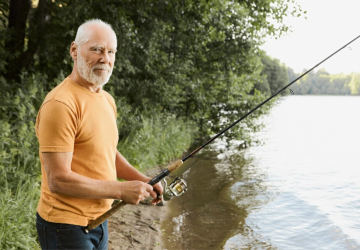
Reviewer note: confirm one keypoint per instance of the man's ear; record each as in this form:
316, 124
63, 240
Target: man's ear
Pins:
73, 51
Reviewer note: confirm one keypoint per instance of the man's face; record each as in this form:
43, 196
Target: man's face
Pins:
95, 58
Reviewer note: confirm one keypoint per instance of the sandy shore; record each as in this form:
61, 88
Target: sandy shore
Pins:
137, 227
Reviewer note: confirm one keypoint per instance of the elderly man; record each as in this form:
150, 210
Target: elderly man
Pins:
77, 132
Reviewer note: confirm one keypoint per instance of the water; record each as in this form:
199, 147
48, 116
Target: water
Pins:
298, 190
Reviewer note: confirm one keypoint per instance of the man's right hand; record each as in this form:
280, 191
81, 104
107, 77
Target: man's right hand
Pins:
132, 192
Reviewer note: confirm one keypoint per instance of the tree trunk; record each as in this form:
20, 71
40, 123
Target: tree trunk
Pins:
14, 46
36, 33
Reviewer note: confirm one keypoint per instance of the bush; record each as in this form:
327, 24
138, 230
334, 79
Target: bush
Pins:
19, 162
159, 140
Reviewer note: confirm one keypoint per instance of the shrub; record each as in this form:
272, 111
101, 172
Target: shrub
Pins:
159, 140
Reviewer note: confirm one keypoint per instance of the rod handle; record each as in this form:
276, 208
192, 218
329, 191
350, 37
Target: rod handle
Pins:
95, 223
175, 166
166, 172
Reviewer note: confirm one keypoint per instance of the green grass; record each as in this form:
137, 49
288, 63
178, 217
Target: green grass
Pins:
159, 140
17, 216
19, 163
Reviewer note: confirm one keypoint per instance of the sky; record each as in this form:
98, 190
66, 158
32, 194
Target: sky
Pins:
330, 24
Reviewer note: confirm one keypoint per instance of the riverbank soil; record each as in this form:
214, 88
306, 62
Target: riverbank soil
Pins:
137, 226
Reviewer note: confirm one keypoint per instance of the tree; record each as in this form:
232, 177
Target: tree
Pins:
354, 84
194, 59
323, 83
275, 73
291, 74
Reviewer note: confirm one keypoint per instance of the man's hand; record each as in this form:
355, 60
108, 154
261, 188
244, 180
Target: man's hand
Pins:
132, 192
158, 190
156, 193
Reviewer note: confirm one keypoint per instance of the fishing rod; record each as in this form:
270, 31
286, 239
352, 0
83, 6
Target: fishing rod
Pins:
179, 186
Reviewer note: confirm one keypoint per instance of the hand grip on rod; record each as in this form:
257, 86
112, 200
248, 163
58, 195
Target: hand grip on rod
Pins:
95, 223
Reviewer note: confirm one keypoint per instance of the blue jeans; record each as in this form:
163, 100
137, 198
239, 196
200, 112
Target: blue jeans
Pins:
66, 236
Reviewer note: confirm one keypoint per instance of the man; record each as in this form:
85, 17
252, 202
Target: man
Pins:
77, 132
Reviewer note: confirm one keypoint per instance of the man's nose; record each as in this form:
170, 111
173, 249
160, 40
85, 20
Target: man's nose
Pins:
105, 57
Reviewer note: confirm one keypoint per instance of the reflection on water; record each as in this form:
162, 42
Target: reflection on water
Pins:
203, 199
299, 190
216, 205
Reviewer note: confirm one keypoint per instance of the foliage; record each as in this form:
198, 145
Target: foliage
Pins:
180, 57
19, 163
323, 83
159, 140
275, 76
354, 84
19, 146
291, 74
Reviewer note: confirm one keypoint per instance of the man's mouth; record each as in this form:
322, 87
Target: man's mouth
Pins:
101, 68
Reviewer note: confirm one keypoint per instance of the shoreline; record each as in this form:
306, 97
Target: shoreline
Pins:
138, 226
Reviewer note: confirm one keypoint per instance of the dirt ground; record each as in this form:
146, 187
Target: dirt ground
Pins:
137, 227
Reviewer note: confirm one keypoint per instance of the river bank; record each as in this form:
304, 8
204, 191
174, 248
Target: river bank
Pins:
137, 226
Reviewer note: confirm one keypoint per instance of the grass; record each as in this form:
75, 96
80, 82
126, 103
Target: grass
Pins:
159, 140
17, 216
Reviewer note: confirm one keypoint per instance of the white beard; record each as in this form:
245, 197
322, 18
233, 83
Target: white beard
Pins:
88, 73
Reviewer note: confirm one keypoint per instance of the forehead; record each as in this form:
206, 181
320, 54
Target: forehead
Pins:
101, 36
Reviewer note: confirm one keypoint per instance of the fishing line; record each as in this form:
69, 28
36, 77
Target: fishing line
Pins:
303, 84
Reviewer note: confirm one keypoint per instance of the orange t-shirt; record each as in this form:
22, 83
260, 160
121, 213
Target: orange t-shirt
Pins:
74, 119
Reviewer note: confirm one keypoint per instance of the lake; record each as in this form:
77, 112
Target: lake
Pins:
298, 189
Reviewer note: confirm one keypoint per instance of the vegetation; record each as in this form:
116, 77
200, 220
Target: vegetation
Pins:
159, 139
183, 68
323, 83
19, 163
354, 84
275, 76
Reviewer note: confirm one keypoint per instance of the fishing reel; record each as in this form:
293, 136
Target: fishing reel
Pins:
176, 188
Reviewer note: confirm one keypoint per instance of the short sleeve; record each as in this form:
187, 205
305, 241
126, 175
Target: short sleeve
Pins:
56, 127
111, 102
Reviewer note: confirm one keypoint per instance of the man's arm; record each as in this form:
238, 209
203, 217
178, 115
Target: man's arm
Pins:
127, 172
62, 180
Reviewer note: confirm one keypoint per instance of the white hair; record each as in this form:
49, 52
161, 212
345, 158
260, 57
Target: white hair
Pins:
82, 34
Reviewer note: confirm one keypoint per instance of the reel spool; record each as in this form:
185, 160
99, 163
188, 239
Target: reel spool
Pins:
176, 188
